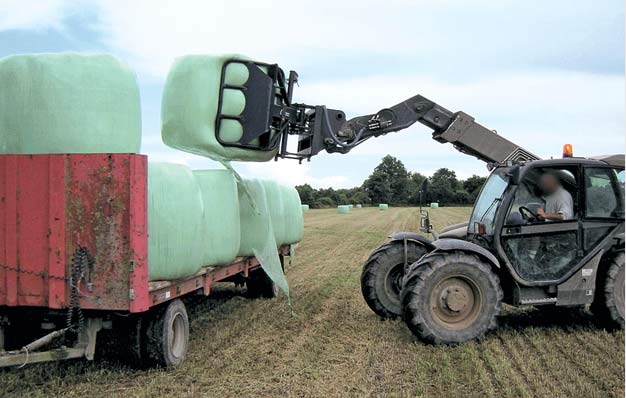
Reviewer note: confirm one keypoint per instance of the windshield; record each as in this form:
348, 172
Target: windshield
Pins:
489, 200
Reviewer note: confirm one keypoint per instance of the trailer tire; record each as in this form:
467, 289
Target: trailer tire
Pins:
608, 305
260, 285
450, 298
167, 336
382, 274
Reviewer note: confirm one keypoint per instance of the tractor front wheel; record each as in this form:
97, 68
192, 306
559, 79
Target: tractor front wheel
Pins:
381, 278
451, 298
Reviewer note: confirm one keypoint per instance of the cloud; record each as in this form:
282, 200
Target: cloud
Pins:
40, 15
457, 37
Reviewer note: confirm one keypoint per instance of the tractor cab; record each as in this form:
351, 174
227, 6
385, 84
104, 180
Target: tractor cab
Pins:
586, 208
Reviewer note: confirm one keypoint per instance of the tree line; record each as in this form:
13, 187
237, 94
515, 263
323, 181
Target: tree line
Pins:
392, 183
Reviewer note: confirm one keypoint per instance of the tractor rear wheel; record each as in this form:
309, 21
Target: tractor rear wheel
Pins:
381, 279
450, 298
608, 304
167, 336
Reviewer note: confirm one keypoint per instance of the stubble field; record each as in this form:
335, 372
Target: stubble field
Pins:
337, 347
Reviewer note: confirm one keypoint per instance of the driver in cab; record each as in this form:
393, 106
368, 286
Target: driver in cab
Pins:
559, 204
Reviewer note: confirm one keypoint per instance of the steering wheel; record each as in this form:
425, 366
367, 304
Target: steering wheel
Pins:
529, 215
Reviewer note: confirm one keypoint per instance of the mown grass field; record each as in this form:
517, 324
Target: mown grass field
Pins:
337, 347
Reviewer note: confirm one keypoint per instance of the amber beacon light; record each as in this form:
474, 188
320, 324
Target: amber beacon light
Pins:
568, 151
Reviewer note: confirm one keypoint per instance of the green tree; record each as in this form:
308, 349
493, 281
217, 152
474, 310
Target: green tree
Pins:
443, 186
307, 194
360, 197
325, 202
472, 186
416, 188
388, 183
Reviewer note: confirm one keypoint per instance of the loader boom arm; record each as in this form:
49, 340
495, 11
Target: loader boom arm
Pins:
457, 128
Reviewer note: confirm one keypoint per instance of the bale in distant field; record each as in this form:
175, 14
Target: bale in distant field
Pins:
434, 205
305, 208
343, 209
359, 206
383, 206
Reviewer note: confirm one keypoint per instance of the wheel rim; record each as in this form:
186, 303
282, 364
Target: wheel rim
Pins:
177, 341
455, 302
393, 280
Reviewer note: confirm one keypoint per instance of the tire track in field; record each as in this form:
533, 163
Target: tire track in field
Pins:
516, 359
599, 350
578, 363
553, 365
491, 370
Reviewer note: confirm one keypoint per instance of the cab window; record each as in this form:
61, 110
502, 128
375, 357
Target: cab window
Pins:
603, 198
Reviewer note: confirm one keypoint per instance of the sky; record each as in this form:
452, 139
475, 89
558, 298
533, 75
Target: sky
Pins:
541, 73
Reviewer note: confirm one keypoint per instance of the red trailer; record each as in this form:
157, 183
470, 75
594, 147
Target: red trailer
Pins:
74, 261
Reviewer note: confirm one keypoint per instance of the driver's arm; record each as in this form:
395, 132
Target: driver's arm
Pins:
550, 216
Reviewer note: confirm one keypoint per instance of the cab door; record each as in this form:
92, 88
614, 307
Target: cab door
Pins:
603, 208
542, 251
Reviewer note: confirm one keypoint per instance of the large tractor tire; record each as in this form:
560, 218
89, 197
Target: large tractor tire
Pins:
381, 279
166, 336
451, 298
608, 304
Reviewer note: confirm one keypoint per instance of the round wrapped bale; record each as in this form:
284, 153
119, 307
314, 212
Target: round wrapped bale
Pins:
176, 233
434, 205
275, 204
294, 222
359, 206
68, 103
343, 209
383, 206
305, 208
254, 215
221, 215
190, 107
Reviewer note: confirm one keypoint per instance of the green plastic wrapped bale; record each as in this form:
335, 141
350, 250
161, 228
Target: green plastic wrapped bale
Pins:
351, 206
383, 206
176, 232
275, 203
254, 216
257, 234
434, 205
343, 209
68, 103
359, 206
294, 222
189, 108
221, 215
305, 208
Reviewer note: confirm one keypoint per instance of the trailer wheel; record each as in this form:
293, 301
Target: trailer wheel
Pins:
608, 304
381, 279
260, 285
167, 336
451, 298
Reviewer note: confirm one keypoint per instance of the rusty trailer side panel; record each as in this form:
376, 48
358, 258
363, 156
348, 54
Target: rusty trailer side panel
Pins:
50, 205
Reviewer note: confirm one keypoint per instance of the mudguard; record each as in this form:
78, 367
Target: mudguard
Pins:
446, 245
412, 236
